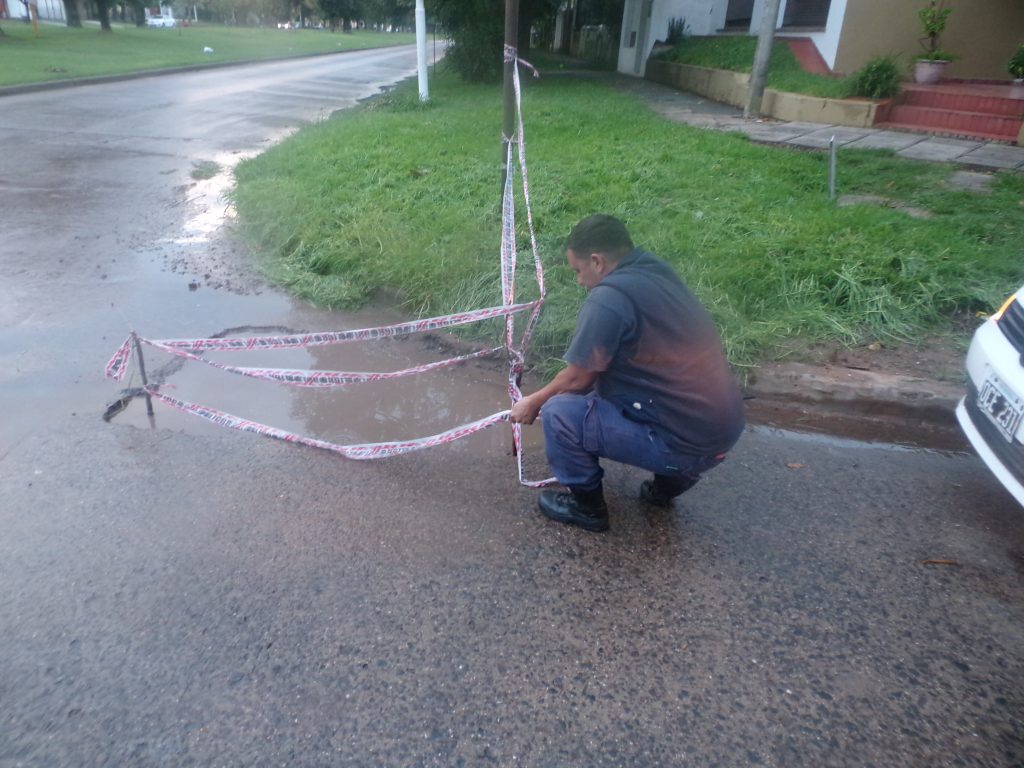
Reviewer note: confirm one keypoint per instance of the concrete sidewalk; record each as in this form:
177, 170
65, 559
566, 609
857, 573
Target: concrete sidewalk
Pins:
689, 108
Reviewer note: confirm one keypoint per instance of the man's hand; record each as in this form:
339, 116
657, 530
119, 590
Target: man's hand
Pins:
525, 411
572, 378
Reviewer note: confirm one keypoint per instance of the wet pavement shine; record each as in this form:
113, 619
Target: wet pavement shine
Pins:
179, 594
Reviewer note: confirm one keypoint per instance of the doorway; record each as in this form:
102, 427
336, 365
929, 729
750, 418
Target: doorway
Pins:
739, 14
806, 13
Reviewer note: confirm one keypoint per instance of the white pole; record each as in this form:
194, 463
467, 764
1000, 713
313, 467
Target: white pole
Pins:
421, 49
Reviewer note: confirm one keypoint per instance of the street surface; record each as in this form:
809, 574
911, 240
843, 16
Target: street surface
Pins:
183, 595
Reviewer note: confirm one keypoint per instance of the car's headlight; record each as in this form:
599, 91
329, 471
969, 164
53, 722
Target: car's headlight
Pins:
1006, 305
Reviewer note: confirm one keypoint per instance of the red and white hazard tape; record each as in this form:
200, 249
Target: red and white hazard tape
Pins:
321, 379
360, 451
116, 368
187, 348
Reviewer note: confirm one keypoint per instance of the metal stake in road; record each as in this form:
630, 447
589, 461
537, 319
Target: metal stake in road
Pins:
142, 373
421, 50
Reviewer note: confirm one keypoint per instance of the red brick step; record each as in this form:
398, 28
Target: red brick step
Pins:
965, 102
998, 127
973, 110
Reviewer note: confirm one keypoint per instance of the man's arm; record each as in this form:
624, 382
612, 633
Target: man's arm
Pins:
572, 378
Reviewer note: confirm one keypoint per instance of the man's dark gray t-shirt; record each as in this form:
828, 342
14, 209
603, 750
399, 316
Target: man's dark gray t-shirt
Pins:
659, 356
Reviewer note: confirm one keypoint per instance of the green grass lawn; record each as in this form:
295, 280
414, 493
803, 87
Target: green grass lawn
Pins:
403, 197
736, 53
59, 53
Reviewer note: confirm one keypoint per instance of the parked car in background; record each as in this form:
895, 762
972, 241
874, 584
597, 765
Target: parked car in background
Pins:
991, 414
161, 21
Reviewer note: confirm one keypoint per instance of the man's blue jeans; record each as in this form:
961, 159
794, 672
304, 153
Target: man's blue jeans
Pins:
580, 429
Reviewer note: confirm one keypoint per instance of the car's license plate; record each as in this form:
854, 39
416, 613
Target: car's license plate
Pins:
1005, 410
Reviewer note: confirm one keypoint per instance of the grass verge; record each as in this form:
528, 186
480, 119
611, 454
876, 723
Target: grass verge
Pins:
62, 53
404, 197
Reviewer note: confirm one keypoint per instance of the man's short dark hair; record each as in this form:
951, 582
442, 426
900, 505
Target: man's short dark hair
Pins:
600, 233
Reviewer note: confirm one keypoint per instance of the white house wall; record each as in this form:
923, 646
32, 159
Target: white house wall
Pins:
707, 17
827, 42
703, 17
48, 10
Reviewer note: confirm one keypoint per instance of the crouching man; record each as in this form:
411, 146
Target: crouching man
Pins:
646, 381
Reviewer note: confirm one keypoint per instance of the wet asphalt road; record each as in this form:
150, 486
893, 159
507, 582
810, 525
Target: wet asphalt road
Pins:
175, 597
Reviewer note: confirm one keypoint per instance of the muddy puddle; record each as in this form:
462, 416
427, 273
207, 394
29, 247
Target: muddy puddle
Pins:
202, 284
398, 409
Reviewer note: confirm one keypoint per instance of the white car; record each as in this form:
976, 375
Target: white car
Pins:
992, 412
161, 21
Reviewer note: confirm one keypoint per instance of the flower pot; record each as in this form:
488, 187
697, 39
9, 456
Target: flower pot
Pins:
1017, 88
929, 71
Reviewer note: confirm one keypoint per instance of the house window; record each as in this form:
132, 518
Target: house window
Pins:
806, 13
739, 14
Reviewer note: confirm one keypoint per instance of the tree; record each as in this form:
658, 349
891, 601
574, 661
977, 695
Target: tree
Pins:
72, 14
103, 11
477, 30
138, 11
396, 13
343, 11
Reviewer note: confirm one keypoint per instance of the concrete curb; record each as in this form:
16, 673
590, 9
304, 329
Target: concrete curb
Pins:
862, 404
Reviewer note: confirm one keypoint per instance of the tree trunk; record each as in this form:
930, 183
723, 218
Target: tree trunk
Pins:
346, 25
103, 11
74, 19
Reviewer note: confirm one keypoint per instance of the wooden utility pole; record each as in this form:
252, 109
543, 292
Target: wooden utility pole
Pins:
765, 39
508, 123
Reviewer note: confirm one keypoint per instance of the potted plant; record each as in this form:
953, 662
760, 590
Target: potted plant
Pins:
1016, 68
930, 66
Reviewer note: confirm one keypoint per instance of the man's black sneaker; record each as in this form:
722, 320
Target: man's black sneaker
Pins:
588, 511
660, 491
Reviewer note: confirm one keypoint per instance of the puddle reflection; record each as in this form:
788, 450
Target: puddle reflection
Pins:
413, 406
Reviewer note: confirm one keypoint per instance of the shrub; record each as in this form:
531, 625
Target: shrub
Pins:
878, 79
934, 18
677, 31
1016, 64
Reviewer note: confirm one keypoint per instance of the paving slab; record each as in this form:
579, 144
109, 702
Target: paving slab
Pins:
995, 156
807, 127
893, 140
973, 181
940, 150
771, 134
820, 139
